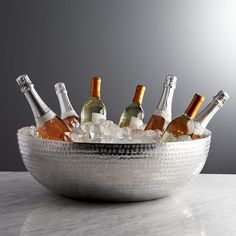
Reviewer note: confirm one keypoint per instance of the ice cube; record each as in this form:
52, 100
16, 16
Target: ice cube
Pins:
105, 126
108, 128
198, 129
207, 132
151, 136
135, 123
97, 117
137, 134
86, 127
142, 127
29, 131
184, 138
80, 135
190, 126
127, 132
134, 140
90, 129
77, 124
168, 137
109, 139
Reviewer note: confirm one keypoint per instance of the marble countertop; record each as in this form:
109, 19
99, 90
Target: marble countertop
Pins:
205, 207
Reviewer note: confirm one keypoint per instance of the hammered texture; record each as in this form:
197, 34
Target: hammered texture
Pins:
113, 172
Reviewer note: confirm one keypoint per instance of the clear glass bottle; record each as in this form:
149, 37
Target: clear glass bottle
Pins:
94, 109
133, 114
48, 124
162, 115
68, 114
184, 124
203, 118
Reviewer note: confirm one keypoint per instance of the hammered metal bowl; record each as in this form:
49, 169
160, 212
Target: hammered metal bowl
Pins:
113, 172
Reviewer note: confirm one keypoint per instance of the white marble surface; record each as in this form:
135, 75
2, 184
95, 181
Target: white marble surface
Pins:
205, 207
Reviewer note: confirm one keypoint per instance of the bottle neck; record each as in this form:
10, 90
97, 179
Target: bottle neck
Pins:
139, 93
207, 113
65, 105
165, 105
42, 113
95, 87
194, 105
134, 103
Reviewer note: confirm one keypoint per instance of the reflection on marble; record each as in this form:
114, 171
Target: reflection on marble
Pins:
70, 217
206, 207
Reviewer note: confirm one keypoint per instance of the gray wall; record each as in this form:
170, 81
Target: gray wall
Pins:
125, 42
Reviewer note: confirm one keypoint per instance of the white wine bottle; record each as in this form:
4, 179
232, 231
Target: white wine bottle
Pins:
184, 124
204, 117
133, 114
162, 115
48, 124
94, 109
68, 114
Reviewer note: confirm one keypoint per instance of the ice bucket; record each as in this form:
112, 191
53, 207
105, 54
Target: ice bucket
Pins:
113, 172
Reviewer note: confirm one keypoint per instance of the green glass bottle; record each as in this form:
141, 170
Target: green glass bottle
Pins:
94, 109
133, 114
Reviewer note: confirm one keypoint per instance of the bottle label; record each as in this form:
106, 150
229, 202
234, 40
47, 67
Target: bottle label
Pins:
164, 114
97, 117
68, 113
43, 119
135, 123
190, 126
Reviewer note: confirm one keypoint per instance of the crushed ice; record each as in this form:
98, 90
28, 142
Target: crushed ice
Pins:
106, 131
29, 131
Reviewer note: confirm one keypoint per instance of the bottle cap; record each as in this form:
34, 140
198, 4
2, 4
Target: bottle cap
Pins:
95, 86
221, 97
139, 93
60, 87
24, 82
194, 105
170, 81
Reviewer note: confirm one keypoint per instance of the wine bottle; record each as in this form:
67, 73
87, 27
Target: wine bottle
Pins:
204, 117
184, 124
162, 115
68, 114
48, 124
133, 114
94, 109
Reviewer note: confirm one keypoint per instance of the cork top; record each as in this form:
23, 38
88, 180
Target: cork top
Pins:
24, 82
221, 97
170, 81
59, 87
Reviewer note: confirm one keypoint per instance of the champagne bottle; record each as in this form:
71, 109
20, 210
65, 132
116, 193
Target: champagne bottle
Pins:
133, 114
94, 109
204, 117
48, 124
184, 124
68, 114
162, 115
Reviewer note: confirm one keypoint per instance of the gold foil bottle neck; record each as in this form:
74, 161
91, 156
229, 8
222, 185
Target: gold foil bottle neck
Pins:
95, 86
194, 105
139, 93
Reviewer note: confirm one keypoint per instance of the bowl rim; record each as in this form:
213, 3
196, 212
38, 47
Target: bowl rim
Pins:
205, 139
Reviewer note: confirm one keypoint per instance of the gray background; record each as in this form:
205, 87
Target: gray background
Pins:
125, 42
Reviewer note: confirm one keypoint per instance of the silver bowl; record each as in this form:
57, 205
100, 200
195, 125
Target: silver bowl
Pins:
113, 172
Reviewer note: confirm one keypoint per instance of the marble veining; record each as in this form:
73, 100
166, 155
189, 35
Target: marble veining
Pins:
205, 207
